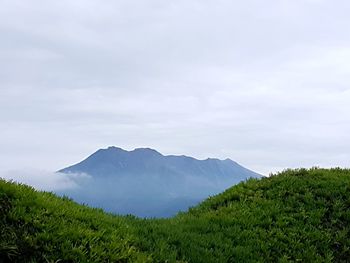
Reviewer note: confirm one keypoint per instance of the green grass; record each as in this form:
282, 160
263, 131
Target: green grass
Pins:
297, 215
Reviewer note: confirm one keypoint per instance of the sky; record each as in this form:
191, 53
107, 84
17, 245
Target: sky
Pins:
265, 83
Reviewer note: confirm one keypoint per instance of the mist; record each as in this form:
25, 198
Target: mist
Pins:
46, 180
146, 196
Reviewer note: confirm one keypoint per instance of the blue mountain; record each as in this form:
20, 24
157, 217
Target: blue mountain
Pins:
146, 183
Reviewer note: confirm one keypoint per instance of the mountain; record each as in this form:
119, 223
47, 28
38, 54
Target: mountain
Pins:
115, 161
146, 183
295, 216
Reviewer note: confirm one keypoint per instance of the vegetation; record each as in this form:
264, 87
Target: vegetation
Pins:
297, 215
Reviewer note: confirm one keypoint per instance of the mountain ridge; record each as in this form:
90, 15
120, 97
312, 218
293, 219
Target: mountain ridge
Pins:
146, 183
112, 152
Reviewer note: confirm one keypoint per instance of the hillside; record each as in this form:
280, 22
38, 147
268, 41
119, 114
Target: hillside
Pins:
146, 183
299, 215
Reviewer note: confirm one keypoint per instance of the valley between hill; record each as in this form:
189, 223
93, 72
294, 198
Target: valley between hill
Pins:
296, 215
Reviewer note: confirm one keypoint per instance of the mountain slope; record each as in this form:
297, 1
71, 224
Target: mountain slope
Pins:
301, 215
146, 183
115, 161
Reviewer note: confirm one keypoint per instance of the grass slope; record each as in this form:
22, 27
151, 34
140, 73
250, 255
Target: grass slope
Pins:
297, 215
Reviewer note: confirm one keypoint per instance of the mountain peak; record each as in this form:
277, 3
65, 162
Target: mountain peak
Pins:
146, 150
113, 148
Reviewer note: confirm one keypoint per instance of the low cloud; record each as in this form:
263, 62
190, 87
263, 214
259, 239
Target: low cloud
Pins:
46, 180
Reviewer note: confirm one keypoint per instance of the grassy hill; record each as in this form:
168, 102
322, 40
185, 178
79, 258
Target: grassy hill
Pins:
297, 215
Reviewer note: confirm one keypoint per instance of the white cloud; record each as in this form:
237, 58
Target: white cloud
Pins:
45, 180
264, 83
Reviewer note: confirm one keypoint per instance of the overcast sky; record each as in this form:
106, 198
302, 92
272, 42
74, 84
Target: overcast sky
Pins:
265, 83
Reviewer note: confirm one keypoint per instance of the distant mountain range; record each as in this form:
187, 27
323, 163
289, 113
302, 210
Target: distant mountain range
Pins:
146, 183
